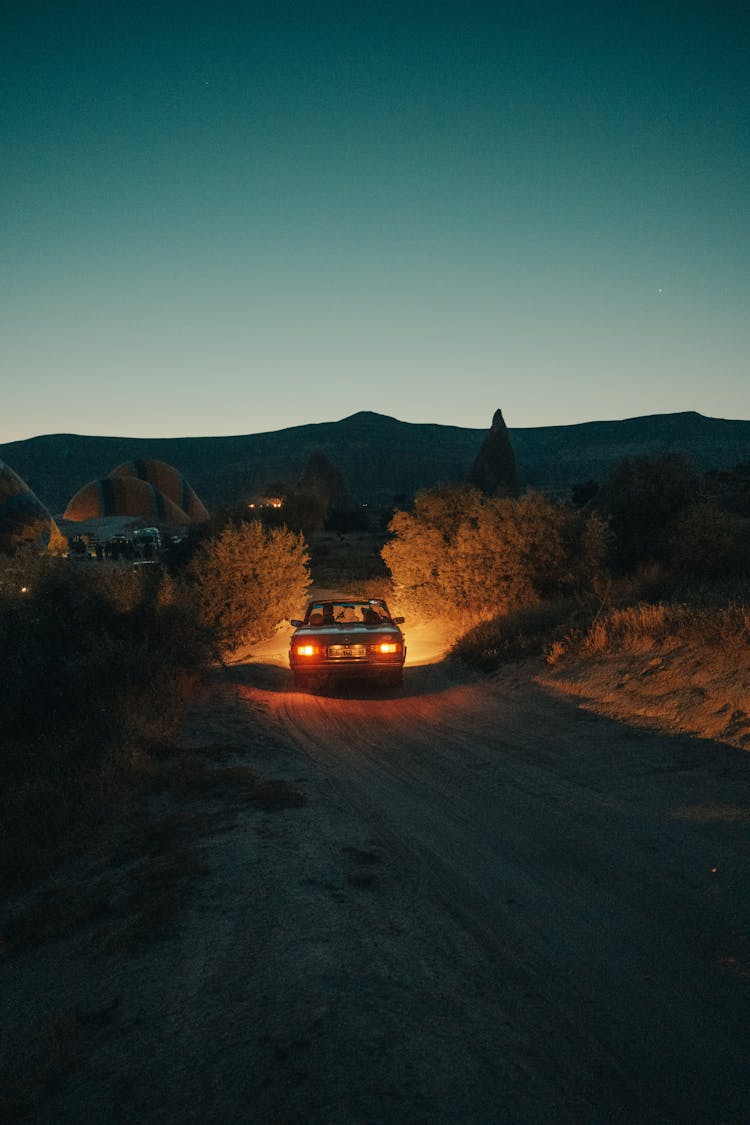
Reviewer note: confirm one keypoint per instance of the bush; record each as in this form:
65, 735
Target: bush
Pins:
247, 579
474, 557
707, 542
641, 498
524, 632
640, 627
96, 664
730, 488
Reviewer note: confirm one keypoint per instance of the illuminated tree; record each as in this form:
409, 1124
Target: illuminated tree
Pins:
247, 579
471, 556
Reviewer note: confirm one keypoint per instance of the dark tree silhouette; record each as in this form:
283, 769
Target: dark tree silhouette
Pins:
324, 480
641, 498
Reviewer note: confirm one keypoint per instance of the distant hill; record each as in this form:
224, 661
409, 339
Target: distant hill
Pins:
560, 456
380, 457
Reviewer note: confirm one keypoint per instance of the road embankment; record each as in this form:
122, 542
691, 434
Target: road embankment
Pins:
678, 687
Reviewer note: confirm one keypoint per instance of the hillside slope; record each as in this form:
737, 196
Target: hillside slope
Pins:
380, 457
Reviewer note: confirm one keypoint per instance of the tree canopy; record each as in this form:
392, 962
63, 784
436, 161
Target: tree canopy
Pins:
247, 579
473, 556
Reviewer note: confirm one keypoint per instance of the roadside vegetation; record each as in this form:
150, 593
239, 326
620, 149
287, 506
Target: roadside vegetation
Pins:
99, 664
97, 667
480, 558
678, 665
652, 566
246, 579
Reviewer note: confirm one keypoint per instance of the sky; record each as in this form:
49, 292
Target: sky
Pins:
228, 218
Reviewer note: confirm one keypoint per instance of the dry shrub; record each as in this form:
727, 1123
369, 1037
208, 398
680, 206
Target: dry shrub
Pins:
708, 542
641, 626
596, 639
641, 497
713, 617
628, 629
476, 557
246, 579
529, 631
95, 663
555, 651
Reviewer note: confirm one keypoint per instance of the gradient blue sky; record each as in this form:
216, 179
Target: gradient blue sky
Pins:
231, 218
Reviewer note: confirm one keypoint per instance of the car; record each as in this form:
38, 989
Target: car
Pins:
147, 542
118, 547
348, 637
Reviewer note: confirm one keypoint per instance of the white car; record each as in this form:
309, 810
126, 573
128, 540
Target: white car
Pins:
348, 638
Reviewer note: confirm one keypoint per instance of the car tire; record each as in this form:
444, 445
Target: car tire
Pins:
395, 679
301, 681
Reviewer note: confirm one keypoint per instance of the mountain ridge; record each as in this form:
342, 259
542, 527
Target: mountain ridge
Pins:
379, 455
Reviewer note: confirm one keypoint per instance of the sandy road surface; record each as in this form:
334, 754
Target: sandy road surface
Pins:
493, 907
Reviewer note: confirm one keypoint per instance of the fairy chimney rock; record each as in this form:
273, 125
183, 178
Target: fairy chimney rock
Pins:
494, 469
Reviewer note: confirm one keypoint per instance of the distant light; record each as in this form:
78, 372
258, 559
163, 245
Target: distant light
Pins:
267, 502
24, 589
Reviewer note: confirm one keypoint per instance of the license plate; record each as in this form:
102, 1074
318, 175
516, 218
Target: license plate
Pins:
346, 652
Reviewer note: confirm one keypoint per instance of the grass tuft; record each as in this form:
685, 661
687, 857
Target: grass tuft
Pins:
640, 627
523, 632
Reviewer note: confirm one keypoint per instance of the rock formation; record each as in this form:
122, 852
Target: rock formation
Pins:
494, 469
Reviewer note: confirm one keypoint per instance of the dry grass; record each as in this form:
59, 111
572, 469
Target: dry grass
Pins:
523, 632
640, 627
645, 626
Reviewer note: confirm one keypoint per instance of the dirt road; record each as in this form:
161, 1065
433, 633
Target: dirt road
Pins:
493, 907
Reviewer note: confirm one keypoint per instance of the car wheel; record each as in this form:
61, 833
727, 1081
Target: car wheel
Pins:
301, 681
395, 679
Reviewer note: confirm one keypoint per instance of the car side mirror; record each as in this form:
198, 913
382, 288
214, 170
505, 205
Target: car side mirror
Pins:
293, 621
398, 620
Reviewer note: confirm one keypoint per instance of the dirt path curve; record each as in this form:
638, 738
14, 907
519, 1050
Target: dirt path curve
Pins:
572, 896
493, 907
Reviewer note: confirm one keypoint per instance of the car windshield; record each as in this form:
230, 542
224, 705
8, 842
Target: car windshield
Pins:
348, 613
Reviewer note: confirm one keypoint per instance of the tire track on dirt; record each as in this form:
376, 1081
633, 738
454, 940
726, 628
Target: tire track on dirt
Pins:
588, 905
